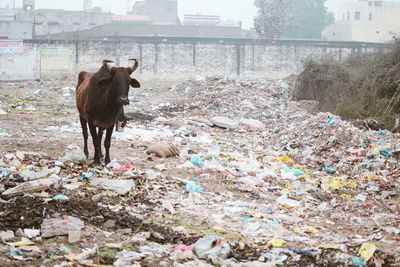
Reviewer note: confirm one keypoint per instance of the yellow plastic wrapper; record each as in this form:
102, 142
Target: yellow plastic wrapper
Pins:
346, 197
21, 167
285, 159
367, 250
310, 230
257, 215
333, 183
374, 150
23, 243
275, 243
160, 167
330, 183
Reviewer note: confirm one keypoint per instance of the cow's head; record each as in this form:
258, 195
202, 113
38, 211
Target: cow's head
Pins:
119, 79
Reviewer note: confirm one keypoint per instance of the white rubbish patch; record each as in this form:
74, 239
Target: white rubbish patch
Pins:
145, 135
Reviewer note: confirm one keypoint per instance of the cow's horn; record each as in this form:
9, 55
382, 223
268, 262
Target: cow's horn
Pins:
106, 66
135, 65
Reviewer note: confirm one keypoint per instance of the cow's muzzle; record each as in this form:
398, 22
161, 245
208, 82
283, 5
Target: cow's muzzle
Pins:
124, 101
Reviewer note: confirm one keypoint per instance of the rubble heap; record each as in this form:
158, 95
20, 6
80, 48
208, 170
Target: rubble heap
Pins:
254, 180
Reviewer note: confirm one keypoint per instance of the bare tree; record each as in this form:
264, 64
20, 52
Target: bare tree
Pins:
272, 17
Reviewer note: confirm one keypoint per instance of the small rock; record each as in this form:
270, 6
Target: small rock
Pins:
31, 233
166, 204
58, 163
6, 235
183, 255
120, 186
127, 258
29, 187
258, 264
157, 235
19, 233
140, 238
261, 258
74, 155
126, 231
64, 250
60, 226
74, 236
255, 124
109, 224
224, 122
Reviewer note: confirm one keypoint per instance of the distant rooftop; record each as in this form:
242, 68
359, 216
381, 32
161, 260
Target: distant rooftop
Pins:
120, 30
130, 18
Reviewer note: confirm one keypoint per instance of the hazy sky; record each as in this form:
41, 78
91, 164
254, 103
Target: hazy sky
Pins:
240, 10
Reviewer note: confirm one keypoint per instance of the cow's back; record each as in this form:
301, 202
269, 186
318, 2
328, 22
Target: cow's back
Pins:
82, 90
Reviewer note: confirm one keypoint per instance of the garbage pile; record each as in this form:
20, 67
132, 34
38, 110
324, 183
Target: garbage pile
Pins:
209, 172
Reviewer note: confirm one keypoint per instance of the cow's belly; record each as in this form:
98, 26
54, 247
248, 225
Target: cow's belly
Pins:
103, 124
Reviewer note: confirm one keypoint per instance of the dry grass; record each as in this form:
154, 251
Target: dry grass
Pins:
360, 88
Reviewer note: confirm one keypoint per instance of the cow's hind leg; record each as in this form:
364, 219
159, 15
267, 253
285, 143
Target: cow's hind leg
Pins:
96, 143
107, 143
100, 135
85, 136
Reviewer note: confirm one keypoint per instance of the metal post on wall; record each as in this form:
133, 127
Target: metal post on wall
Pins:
238, 59
253, 57
117, 49
172, 57
156, 57
76, 50
141, 58
39, 52
194, 55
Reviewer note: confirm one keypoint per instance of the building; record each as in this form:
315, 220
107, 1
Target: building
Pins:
365, 20
28, 5
11, 27
121, 30
87, 5
49, 21
161, 12
201, 20
148, 18
209, 20
28, 22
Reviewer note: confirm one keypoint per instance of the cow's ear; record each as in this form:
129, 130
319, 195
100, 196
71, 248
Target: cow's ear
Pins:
134, 83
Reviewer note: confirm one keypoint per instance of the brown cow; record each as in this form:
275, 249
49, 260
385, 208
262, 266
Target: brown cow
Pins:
99, 98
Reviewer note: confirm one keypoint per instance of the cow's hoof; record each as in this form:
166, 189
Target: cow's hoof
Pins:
106, 161
96, 162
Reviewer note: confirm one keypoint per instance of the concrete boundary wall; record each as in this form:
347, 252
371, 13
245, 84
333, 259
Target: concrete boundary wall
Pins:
20, 66
176, 58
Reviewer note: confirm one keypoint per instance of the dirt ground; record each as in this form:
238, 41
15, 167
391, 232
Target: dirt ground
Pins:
240, 185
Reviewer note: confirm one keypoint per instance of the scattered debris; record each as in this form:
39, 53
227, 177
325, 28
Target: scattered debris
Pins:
273, 184
60, 226
119, 186
224, 122
163, 150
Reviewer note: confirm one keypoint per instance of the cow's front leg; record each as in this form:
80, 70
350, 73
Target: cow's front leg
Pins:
100, 135
107, 143
96, 143
85, 136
